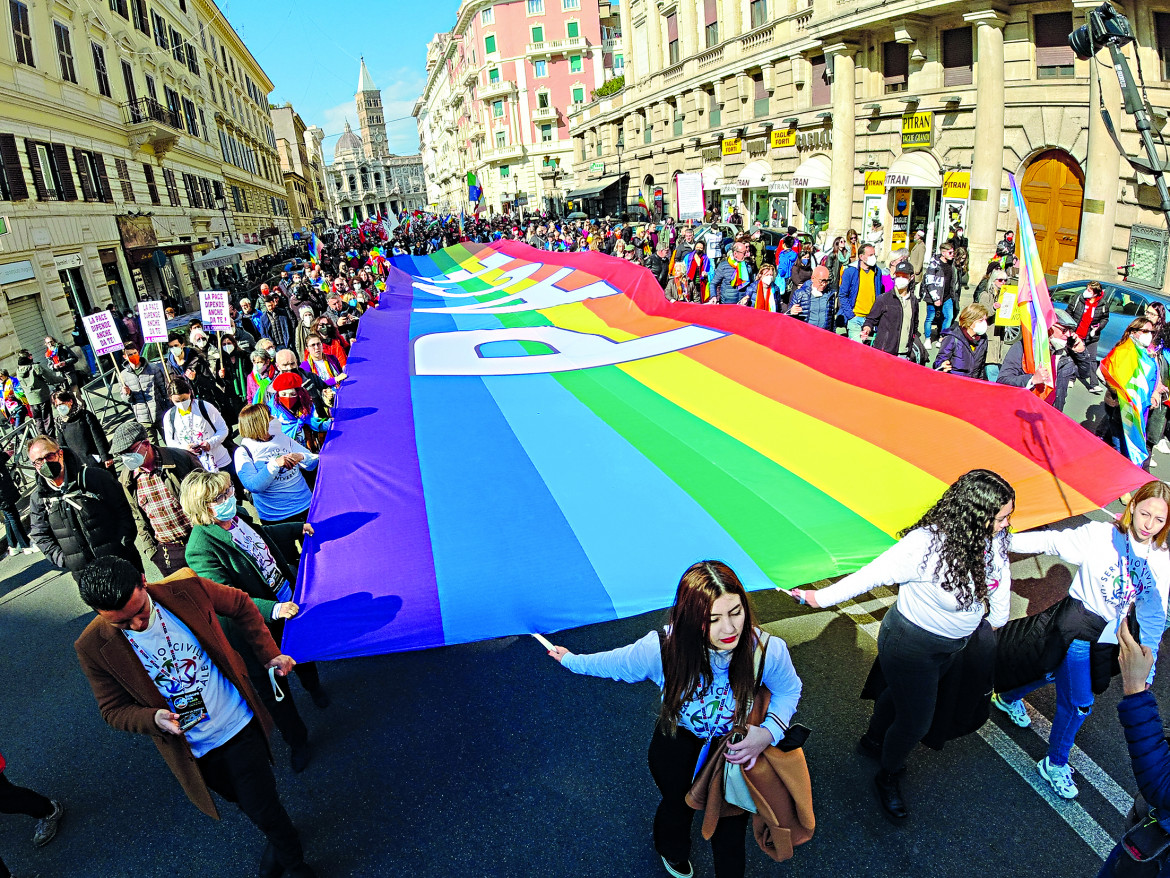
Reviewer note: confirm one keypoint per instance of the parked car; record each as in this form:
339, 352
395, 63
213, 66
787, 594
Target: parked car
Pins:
1124, 304
772, 241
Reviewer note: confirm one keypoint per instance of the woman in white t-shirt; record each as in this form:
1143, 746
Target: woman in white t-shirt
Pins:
197, 426
1122, 564
952, 569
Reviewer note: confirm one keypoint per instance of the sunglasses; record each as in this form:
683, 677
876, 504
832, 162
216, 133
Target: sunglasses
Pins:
49, 455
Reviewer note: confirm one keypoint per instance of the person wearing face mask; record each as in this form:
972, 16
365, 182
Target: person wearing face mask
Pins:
333, 342
766, 294
77, 512
245, 318
37, 383
801, 269
77, 428
812, 302
293, 407
272, 466
227, 547
1067, 361
143, 386
61, 361
1123, 567
709, 660
260, 377
989, 293
152, 476
342, 316
198, 337
195, 425
836, 260
860, 285
893, 320
1120, 369
229, 367
305, 326
963, 348
940, 288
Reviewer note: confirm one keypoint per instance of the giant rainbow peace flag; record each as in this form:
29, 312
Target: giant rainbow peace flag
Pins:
530, 441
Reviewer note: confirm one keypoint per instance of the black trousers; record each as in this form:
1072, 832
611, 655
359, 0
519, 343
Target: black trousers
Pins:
672, 764
284, 713
241, 773
913, 660
18, 800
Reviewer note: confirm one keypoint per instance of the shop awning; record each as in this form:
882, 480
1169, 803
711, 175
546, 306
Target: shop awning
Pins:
221, 256
813, 173
593, 190
914, 170
754, 175
711, 176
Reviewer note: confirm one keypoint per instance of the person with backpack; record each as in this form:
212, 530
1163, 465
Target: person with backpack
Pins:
77, 428
709, 661
196, 426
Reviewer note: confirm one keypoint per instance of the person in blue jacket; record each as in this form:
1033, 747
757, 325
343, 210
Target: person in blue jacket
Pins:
861, 284
1149, 754
812, 301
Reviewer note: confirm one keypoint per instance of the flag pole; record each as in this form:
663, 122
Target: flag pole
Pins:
545, 642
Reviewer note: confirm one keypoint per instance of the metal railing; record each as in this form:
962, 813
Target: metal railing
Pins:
150, 110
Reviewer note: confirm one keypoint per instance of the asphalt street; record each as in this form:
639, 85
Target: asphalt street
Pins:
491, 760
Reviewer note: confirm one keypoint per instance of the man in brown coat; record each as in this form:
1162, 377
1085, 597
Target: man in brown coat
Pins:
159, 664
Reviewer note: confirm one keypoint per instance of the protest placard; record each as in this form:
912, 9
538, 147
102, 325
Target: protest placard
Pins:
213, 310
102, 332
153, 318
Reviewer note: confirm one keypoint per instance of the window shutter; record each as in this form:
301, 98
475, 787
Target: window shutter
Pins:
34, 164
761, 92
61, 158
124, 179
710, 12
822, 92
151, 186
1052, 48
83, 174
106, 194
12, 170
672, 28
958, 57
895, 62
1162, 30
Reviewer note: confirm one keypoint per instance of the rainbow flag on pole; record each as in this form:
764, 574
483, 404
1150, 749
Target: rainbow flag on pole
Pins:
642, 202
1033, 302
562, 443
1133, 373
314, 249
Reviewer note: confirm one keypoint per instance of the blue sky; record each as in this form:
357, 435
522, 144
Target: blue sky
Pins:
310, 51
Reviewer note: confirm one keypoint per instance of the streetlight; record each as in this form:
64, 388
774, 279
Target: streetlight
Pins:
221, 205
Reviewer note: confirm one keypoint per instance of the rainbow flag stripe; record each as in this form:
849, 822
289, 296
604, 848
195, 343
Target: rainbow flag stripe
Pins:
530, 441
1035, 305
1132, 372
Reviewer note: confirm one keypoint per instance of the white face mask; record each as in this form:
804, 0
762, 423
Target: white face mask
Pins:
1143, 339
980, 328
871, 261
228, 348
1057, 344
901, 283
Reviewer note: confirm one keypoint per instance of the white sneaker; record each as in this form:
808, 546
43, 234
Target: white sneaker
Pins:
1059, 777
926, 343
1015, 710
1153, 463
1097, 388
1163, 446
13, 551
29, 551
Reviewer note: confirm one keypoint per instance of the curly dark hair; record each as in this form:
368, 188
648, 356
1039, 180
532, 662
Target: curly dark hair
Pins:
962, 528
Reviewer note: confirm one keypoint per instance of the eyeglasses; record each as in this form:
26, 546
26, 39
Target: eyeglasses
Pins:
49, 455
226, 495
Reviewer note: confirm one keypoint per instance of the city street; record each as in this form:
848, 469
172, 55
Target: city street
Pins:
490, 759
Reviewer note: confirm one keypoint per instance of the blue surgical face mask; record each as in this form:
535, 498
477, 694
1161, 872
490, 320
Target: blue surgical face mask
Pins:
225, 511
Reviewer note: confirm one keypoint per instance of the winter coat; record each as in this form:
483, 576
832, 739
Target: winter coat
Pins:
800, 273
785, 260
1149, 752
214, 555
66, 363
934, 281
37, 382
995, 332
885, 321
173, 465
1069, 365
850, 284
721, 283
1034, 646
81, 432
276, 326
9, 494
148, 391
964, 359
1076, 310
816, 311
86, 518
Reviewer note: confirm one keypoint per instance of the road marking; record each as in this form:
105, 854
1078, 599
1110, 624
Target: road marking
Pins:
1078, 819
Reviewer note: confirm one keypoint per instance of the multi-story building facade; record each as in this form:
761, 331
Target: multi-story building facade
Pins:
111, 167
500, 88
832, 113
293, 147
365, 178
314, 138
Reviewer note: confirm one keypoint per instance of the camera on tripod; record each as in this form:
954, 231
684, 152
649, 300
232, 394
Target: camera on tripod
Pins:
1105, 27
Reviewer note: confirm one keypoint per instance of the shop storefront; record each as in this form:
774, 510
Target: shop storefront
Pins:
753, 184
728, 198
914, 186
712, 175
810, 183
779, 204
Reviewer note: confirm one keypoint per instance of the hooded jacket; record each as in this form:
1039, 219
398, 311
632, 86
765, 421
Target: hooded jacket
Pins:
36, 382
965, 359
148, 391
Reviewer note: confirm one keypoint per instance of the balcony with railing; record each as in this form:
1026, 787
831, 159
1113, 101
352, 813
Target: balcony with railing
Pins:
149, 123
501, 154
548, 48
501, 88
544, 114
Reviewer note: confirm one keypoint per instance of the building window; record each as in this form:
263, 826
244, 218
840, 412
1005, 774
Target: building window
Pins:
822, 91
119, 6
141, 20
487, 16
546, 133
150, 91
505, 171
542, 100
191, 116
761, 95
494, 76
598, 148
173, 103
619, 62
578, 94
100, 71
1054, 56
647, 128
536, 7
672, 38
177, 50
570, 5
489, 44
575, 65
203, 125
151, 186
172, 188
49, 175
540, 69
1162, 36
538, 34
91, 170
21, 32
572, 29
711, 22
957, 57
160, 30
759, 10
895, 66
128, 82
64, 52
499, 140
497, 109
713, 114
124, 180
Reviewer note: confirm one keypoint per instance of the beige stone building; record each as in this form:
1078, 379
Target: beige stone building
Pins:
111, 163
829, 114
293, 145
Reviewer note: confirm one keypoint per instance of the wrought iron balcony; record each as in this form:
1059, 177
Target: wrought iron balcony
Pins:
149, 123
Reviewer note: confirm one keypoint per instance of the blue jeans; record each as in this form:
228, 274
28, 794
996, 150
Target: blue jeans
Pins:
948, 313
17, 538
853, 327
1074, 699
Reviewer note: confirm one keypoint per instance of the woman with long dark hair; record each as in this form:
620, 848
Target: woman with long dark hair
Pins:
1122, 565
704, 662
952, 566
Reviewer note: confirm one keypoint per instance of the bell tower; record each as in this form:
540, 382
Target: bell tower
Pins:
370, 118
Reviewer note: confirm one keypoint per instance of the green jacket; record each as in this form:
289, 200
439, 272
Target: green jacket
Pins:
212, 554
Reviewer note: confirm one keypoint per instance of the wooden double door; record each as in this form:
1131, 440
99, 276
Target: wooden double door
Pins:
1054, 188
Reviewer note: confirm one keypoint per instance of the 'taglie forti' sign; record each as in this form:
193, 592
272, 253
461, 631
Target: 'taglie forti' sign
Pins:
918, 130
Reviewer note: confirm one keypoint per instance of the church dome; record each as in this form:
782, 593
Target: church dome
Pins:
349, 144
